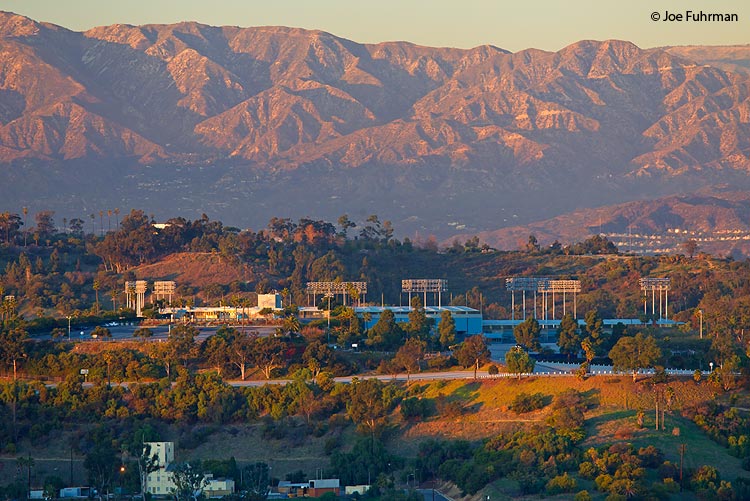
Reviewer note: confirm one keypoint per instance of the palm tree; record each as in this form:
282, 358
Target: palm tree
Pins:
117, 221
96, 290
93, 228
28, 464
291, 324
25, 230
109, 220
101, 222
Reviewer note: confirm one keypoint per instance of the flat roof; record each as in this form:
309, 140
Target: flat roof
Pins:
606, 321
406, 309
401, 310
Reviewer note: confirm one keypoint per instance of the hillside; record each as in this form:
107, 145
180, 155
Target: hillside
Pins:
241, 122
197, 270
732, 58
717, 221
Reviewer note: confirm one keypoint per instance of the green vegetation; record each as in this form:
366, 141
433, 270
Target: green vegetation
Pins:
528, 436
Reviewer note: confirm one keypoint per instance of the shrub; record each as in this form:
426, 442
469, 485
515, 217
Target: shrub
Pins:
650, 456
441, 362
492, 370
582, 496
706, 477
587, 469
416, 408
668, 470
527, 403
603, 482
447, 408
561, 483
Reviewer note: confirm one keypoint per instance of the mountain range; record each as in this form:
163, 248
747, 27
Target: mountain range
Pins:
248, 123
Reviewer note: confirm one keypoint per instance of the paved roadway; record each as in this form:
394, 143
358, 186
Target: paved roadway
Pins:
160, 332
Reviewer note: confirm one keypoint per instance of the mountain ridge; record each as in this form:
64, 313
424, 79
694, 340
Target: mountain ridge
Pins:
270, 107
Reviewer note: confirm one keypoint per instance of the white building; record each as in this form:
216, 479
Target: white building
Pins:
160, 483
272, 301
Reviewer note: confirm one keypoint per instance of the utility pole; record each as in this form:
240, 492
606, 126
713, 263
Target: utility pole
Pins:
682, 457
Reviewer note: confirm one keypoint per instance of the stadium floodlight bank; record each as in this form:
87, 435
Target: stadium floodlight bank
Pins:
331, 289
660, 285
548, 288
425, 285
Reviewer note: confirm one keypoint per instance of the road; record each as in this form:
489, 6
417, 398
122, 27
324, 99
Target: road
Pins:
124, 332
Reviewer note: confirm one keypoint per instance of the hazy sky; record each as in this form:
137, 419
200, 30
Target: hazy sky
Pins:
544, 24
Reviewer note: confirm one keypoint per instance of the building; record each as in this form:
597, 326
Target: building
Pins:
75, 492
502, 330
160, 483
468, 320
272, 301
312, 488
322, 486
224, 313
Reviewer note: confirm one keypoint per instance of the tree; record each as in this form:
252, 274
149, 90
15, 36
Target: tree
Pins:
268, 354
12, 346
45, 224
189, 481
58, 333
216, 350
101, 463
257, 479
518, 361
241, 351
418, 325
76, 226
386, 333
410, 354
317, 355
350, 332
634, 353
690, 246
96, 287
473, 351
291, 324
26, 463
181, 342
367, 405
143, 333
527, 334
446, 329
532, 245
594, 329
568, 337
345, 223
9, 225
100, 332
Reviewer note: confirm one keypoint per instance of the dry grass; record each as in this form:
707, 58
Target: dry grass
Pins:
196, 269
699, 448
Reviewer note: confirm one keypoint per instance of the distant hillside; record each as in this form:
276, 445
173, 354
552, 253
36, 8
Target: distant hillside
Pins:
719, 222
250, 123
733, 58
